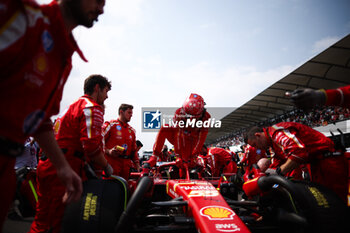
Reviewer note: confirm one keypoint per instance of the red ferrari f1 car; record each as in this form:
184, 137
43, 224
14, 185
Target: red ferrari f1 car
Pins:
174, 198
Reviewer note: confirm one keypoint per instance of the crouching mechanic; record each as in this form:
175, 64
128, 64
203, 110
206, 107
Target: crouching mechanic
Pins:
78, 133
164, 156
220, 160
251, 156
120, 142
297, 144
187, 141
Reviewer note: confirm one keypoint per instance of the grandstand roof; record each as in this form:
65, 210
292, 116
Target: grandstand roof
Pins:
329, 69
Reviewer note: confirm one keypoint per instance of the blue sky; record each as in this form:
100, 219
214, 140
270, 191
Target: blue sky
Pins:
156, 52
237, 32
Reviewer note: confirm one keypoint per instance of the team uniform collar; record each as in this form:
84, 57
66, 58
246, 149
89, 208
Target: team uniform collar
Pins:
91, 99
125, 125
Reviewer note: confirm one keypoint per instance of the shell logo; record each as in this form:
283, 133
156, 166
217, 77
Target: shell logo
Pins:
217, 213
41, 64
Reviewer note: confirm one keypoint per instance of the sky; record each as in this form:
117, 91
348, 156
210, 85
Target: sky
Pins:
157, 52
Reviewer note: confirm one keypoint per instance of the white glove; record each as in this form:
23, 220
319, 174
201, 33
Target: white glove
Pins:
271, 171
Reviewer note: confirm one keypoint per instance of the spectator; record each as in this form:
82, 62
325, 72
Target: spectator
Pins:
320, 116
120, 141
78, 133
29, 157
35, 60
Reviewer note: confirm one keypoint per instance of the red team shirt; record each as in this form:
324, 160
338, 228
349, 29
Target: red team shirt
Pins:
188, 142
117, 133
35, 61
222, 161
251, 155
303, 145
78, 133
339, 96
80, 128
298, 142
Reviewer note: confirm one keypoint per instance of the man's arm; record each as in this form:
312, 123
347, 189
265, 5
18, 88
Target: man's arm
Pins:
157, 147
101, 161
160, 140
201, 139
338, 97
284, 169
202, 136
288, 166
69, 178
309, 98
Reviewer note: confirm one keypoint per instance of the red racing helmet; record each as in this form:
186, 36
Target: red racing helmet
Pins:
194, 105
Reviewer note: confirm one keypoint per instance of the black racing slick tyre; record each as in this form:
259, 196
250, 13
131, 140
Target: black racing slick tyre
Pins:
298, 206
128, 216
323, 209
99, 209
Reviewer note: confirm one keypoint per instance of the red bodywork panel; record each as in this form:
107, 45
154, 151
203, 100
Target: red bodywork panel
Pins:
209, 209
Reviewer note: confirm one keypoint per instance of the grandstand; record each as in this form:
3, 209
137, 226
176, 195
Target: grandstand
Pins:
329, 69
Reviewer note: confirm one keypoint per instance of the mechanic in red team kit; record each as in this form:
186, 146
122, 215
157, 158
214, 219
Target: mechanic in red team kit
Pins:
78, 133
187, 141
308, 98
35, 60
164, 156
120, 142
251, 156
220, 160
297, 144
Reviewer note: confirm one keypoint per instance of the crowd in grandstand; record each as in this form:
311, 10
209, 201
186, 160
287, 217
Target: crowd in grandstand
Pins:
320, 116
